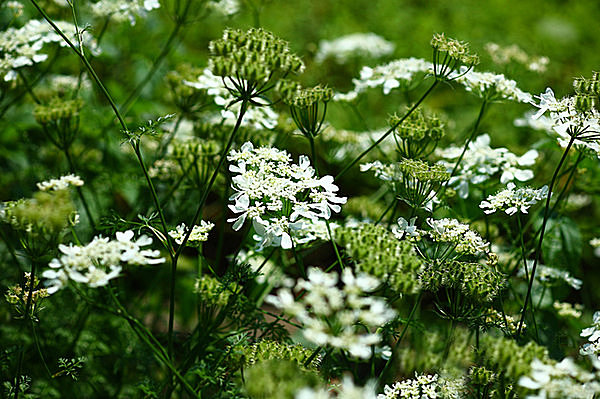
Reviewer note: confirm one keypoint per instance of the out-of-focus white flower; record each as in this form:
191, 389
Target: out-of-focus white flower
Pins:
124, 10
345, 390
348, 47
62, 183
340, 318
404, 228
226, 8
550, 275
502, 55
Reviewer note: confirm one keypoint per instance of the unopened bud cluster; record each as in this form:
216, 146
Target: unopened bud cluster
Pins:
57, 109
418, 135
420, 181
19, 297
587, 91
305, 98
456, 49
254, 55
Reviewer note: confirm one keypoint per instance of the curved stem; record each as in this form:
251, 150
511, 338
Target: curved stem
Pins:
542, 231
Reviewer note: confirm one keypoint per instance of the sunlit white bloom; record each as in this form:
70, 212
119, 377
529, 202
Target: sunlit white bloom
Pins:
395, 74
98, 262
595, 243
490, 86
513, 200
62, 183
565, 379
281, 198
593, 335
198, 235
257, 117
423, 386
331, 316
124, 10
569, 123
481, 162
354, 45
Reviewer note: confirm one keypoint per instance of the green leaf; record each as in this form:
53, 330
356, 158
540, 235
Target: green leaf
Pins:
562, 244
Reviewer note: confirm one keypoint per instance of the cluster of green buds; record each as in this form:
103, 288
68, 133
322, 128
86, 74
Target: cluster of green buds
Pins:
268, 350
213, 293
420, 181
277, 378
250, 62
60, 119
448, 55
187, 98
40, 220
378, 253
196, 158
587, 92
418, 135
308, 108
481, 378
18, 297
476, 282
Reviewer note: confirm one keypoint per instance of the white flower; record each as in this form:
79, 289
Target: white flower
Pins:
345, 390
61, 183
98, 262
331, 316
224, 7
513, 200
281, 198
199, 233
395, 74
550, 275
490, 86
404, 228
481, 162
347, 47
124, 10
452, 231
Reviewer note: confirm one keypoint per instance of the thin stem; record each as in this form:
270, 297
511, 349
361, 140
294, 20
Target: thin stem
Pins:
388, 132
524, 258
78, 189
542, 231
471, 137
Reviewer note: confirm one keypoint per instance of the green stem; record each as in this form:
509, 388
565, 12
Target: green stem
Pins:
78, 189
542, 231
388, 132
524, 258
471, 137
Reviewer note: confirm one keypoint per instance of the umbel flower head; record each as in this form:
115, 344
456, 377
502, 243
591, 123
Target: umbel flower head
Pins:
576, 118
279, 197
448, 55
308, 107
417, 136
98, 262
250, 62
513, 200
341, 318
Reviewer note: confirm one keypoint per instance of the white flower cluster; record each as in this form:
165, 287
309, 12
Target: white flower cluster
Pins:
124, 10
481, 162
345, 390
423, 386
280, 197
566, 309
568, 121
331, 316
513, 200
98, 262
504, 54
62, 183
490, 86
593, 335
263, 117
226, 8
345, 48
550, 275
383, 171
199, 233
466, 241
21, 47
560, 380
398, 73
